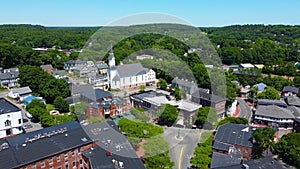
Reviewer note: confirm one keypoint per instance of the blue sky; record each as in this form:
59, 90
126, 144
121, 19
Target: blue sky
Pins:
102, 12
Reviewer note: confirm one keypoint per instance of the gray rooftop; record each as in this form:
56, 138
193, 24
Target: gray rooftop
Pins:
292, 89
225, 160
22, 90
128, 70
271, 102
261, 163
274, 112
293, 101
202, 93
77, 89
182, 82
45, 67
111, 140
75, 62
295, 110
237, 134
7, 107
42, 146
96, 94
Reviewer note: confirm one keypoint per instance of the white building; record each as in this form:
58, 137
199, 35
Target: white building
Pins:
11, 120
20, 93
129, 76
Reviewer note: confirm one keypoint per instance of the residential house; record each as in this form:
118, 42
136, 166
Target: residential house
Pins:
231, 137
260, 86
102, 67
289, 91
129, 76
294, 107
9, 77
279, 118
20, 93
98, 80
244, 92
259, 66
203, 98
71, 64
11, 120
267, 102
60, 74
260, 163
183, 84
47, 68
244, 66
83, 70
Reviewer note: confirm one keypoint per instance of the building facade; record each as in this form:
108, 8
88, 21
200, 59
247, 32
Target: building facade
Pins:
11, 120
129, 76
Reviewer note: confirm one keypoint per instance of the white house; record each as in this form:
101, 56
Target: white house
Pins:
11, 120
19, 93
129, 76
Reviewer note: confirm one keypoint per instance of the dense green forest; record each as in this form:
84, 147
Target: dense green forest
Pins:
235, 44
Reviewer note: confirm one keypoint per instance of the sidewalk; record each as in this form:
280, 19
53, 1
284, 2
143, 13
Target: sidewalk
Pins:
237, 112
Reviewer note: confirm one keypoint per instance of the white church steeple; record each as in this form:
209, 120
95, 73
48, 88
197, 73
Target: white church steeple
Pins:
111, 58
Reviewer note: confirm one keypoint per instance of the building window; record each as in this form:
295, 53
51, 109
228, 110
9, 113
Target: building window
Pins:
7, 123
246, 150
67, 166
33, 166
50, 161
8, 132
42, 164
20, 121
73, 164
73, 153
51, 167
66, 155
58, 158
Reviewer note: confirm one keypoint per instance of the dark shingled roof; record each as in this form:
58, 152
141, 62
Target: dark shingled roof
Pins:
78, 89
290, 89
44, 145
96, 94
261, 163
202, 93
271, 102
7, 107
111, 140
274, 111
234, 134
225, 160
75, 62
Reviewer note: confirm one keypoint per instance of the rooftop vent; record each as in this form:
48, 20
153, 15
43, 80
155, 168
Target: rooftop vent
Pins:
84, 139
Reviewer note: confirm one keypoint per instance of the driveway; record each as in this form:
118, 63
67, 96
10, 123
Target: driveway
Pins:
182, 149
245, 110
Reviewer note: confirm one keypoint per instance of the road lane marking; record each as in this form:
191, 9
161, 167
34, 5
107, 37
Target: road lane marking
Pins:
180, 158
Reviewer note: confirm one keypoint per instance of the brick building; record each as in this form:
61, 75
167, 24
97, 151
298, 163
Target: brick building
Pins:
107, 108
57, 147
234, 137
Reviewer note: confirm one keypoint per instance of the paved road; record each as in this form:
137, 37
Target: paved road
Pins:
245, 109
181, 150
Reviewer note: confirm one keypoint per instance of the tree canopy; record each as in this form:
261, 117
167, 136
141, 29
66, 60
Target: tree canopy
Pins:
168, 115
